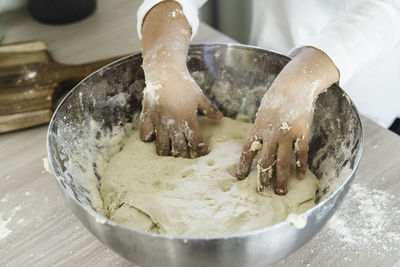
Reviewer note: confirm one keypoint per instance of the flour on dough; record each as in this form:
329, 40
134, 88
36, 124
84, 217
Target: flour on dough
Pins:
196, 197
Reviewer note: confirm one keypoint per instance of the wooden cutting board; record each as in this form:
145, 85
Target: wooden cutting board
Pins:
31, 82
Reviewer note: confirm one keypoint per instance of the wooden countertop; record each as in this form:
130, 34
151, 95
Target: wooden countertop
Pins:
37, 229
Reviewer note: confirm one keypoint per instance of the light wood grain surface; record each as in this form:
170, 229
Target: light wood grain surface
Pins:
37, 229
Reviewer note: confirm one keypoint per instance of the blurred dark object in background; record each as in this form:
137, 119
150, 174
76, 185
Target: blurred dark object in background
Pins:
60, 11
232, 17
395, 126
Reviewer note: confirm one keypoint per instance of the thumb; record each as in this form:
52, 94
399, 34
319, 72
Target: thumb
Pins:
209, 109
146, 127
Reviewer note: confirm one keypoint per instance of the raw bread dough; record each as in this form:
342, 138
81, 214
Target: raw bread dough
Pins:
196, 197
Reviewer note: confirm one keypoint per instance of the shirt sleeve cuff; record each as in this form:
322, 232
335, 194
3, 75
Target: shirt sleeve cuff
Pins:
334, 50
189, 9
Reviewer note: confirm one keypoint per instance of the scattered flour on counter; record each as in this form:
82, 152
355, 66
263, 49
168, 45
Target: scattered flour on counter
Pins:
4, 220
4, 231
5, 198
364, 232
368, 219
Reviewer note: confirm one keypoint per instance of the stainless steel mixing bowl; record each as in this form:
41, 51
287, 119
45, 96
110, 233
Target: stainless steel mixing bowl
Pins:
106, 105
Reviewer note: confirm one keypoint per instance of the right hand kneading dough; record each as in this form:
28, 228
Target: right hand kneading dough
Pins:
196, 197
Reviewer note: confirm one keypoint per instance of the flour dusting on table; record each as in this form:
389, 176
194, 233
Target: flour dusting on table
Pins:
5, 219
366, 220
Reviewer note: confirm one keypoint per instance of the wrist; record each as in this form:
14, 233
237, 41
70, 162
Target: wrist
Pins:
164, 71
316, 65
306, 75
165, 38
164, 59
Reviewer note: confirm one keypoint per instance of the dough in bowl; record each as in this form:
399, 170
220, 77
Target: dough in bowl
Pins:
196, 197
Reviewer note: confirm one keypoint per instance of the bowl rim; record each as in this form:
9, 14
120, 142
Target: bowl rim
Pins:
105, 220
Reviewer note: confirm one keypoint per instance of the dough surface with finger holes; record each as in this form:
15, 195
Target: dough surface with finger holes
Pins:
198, 197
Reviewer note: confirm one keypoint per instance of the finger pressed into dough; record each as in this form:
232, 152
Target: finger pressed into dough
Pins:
250, 149
283, 165
194, 138
163, 143
179, 145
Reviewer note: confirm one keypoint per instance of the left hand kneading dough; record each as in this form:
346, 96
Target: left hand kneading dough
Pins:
196, 197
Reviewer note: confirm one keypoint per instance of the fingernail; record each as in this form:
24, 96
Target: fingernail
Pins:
281, 191
261, 189
240, 175
148, 137
301, 174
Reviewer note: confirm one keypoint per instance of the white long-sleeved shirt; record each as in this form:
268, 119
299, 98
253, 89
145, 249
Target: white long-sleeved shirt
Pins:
361, 37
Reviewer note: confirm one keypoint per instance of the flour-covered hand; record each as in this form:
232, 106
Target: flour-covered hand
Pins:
171, 97
170, 115
284, 119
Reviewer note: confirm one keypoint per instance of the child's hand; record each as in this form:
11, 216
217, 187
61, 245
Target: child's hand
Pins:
282, 125
172, 97
284, 120
170, 111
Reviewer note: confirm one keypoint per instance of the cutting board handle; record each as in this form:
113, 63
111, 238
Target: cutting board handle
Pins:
31, 83
38, 85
